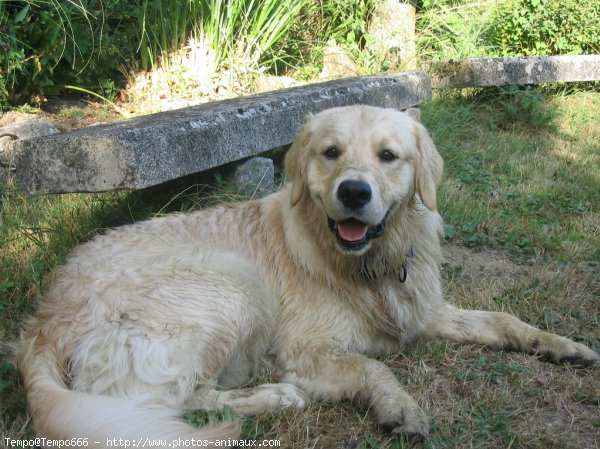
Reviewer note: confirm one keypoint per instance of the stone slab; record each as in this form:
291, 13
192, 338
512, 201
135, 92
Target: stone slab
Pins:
149, 150
20, 130
254, 178
391, 33
23, 130
504, 71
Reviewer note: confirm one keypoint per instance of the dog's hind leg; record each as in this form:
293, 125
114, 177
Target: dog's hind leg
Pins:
500, 330
255, 400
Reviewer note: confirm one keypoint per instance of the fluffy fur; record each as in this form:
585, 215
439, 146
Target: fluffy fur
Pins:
181, 312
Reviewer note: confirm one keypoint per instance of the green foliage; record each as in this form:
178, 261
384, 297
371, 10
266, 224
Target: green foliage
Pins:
344, 20
547, 27
13, 401
233, 28
453, 29
47, 43
533, 182
201, 418
514, 104
321, 21
93, 43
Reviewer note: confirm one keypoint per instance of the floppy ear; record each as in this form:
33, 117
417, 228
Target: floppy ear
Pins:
429, 167
295, 164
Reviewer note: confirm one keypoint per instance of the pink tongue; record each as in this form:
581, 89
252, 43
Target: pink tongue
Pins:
352, 231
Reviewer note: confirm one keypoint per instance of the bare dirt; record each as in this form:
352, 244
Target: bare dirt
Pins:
67, 114
479, 264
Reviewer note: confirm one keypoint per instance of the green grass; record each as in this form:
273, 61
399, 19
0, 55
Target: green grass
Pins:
449, 29
519, 198
530, 165
457, 29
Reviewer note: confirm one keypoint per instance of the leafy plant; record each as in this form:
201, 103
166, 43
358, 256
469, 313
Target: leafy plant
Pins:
47, 44
321, 21
50, 43
233, 28
452, 29
547, 27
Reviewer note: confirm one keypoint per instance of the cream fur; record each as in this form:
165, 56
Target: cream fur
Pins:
181, 312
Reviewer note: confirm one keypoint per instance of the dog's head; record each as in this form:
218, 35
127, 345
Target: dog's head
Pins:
358, 165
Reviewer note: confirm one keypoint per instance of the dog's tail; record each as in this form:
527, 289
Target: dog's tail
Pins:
103, 421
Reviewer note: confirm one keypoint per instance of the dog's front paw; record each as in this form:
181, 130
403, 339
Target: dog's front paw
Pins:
562, 350
408, 420
580, 355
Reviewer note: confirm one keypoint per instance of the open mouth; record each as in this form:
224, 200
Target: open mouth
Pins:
353, 235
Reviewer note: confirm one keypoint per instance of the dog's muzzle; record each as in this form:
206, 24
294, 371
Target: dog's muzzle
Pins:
353, 235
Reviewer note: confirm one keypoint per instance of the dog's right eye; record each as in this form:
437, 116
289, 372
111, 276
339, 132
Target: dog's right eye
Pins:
331, 152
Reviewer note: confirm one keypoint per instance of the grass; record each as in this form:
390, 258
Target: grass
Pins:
523, 235
533, 173
450, 29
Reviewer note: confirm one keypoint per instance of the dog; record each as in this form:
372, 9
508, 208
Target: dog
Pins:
181, 312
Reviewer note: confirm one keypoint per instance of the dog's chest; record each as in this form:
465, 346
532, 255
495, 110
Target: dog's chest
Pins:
378, 315
399, 301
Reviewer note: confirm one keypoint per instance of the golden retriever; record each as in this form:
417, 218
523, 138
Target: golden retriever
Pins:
181, 312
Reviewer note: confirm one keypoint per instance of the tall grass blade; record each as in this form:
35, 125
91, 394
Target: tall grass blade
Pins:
120, 110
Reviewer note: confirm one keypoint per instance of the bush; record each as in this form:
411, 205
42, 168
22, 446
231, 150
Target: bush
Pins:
452, 29
547, 27
55, 43
47, 44
320, 21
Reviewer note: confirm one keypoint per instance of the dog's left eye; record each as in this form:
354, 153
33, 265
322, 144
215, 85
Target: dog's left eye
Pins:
387, 156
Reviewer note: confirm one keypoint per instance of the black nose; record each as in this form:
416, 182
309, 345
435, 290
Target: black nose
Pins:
354, 194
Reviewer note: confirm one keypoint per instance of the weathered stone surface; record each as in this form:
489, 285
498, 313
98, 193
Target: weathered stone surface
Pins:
337, 63
392, 33
503, 71
23, 130
255, 177
29, 129
20, 130
152, 149
6, 148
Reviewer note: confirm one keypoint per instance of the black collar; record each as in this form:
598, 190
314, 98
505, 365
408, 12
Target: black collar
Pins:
401, 273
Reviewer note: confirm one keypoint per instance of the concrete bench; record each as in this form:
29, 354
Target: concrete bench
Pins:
149, 150
480, 72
